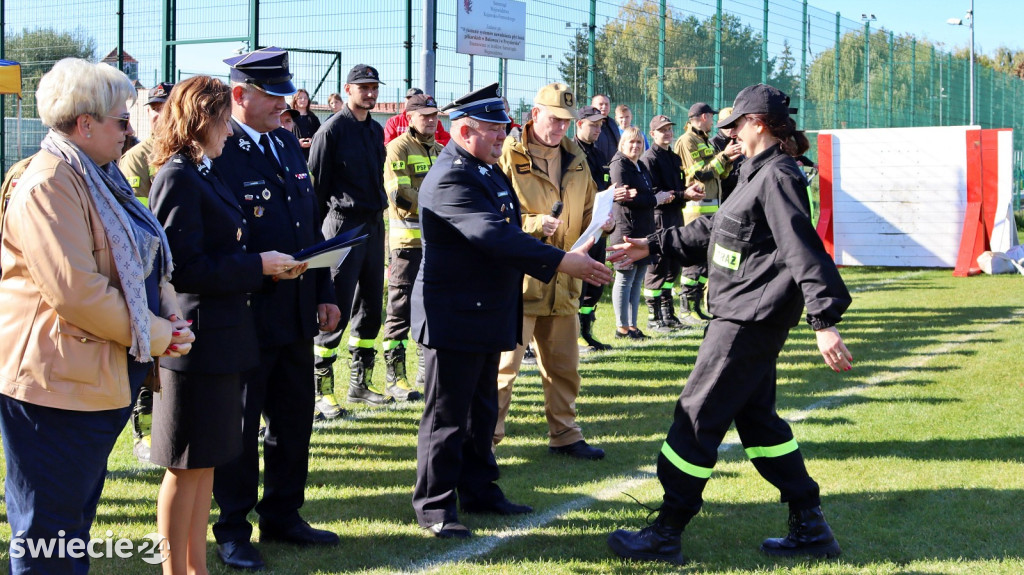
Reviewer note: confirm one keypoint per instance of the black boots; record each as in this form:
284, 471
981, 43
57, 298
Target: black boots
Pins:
659, 541
809, 534
325, 405
395, 381
693, 302
360, 386
668, 311
655, 322
587, 332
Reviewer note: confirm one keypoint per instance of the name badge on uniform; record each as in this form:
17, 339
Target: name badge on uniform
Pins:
253, 183
523, 168
258, 211
726, 258
502, 193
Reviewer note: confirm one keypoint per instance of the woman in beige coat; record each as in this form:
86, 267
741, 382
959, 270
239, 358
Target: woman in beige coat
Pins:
86, 306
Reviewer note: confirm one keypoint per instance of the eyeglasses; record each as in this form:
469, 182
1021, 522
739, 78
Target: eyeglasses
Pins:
123, 121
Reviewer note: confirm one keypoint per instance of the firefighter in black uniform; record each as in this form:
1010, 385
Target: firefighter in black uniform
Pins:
347, 165
666, 168
263, 165
467, 307
766, 264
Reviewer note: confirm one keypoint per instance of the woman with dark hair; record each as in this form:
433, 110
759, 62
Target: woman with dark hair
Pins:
196, 415
766, 265
87, 305
634, 216
307, 123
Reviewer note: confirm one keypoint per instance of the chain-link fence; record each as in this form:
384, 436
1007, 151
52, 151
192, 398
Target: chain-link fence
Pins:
653, 56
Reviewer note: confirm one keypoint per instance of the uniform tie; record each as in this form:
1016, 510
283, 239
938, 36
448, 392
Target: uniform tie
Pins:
269, 153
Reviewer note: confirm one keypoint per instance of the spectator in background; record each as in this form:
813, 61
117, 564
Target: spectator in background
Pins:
399, 123
624, 118
511, 126
87, 306
135, 162
306, 124
634, 218
608, 143
288, 117
334, 103
724, 138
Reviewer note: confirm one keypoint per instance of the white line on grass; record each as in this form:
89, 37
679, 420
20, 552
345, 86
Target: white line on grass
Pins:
482, 545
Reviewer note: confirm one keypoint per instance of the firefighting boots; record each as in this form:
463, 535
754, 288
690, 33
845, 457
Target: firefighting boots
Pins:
659, 541
655, 322
809, 534
142, 423
668, 311
326, 406
421, 368
693, 302
587, 333
360, 383
395, 380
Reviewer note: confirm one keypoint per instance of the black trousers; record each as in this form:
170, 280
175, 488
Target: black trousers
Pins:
453, 454
661, 271
405, 264
279, 390
590, 296
734, 379
358, 284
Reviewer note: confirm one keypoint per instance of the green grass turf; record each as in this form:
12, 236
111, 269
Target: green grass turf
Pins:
918, 452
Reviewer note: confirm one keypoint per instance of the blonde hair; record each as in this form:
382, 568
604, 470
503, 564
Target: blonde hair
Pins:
295, 96
193, 108
74, 87
628, 135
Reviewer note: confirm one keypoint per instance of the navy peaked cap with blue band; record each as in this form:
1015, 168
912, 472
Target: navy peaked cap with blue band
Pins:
266, 68
484, 104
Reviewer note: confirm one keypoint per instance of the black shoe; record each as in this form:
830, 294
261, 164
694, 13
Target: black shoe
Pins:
656, 542
529, 358
579, 450
450, 530
240, 555
620, 335
809, 534
501, 507
298, 534
637, 335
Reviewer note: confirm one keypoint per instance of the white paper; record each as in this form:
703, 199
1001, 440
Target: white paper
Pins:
328, 259
602, 209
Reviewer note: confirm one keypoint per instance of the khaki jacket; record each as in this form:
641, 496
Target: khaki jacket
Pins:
64, 325
537, 193
135, 166
409, 157
701, 163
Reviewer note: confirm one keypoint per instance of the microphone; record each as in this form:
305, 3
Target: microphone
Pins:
556, 210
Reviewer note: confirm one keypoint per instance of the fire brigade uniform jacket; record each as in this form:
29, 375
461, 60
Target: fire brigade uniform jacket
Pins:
134, 164
537, 194
702, 164
345, 161
409, 157
666, 168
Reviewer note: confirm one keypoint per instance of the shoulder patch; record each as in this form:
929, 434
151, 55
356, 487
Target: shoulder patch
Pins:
398, 165
522, 168
134, 181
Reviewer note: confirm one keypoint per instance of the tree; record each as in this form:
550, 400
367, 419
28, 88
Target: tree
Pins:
37, 51
573, 66
786, 79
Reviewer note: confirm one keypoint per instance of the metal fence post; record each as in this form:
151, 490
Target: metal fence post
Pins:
427, 63
659, 108
892, 64
913, 80
805, 32
718, 57
591, 63
254, 24
408, 45
867, 74
835, 89
764, 46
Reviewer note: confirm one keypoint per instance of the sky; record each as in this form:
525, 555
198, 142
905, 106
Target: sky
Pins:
997, 22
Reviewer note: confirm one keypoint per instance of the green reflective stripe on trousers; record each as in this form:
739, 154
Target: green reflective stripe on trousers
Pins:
586, 310
360, 343
324, 352
689, 282
773, 450
652, 292
683, 465
667, 286
702, 279
390, 344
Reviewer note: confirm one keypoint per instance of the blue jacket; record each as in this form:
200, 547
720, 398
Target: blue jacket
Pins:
468, 294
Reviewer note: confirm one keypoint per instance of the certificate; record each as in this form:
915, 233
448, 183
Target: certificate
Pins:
332, 252
599, 215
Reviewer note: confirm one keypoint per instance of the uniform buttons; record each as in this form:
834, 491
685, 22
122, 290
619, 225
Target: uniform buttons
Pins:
244, 221
243, 247
297, 224
248, 302
478, 304
289, 198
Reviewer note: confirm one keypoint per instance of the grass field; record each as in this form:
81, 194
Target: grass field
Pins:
918, 451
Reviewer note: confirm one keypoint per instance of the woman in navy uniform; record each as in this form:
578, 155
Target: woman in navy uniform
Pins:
467, 308
766, 265
263, 166
197, 414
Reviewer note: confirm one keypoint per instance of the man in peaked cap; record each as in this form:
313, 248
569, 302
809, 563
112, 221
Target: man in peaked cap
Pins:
399, 123
135, 162
263, 166
470, 220
346, 161
548, 169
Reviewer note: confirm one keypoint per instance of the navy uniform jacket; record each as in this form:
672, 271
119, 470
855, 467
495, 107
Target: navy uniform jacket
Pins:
214, 270
282, 215
468, 294
765, 260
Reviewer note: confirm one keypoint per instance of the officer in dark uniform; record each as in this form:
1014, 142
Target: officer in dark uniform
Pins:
766, 263
263, 165
467, 308
347, 164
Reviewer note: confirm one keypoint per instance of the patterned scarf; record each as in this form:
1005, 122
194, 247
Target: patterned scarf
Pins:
134, 247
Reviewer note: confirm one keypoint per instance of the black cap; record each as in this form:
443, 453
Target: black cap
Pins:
291, 112
158, 94
758, 99
701, 108
266, 68
421, 104
363, 74
412, 92
484, 104
590, 113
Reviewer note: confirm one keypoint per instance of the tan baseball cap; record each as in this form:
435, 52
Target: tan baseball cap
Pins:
559, 100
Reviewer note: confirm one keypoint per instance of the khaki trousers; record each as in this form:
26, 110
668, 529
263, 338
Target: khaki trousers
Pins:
558, 357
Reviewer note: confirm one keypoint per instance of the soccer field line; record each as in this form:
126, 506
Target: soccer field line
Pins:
483, 545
